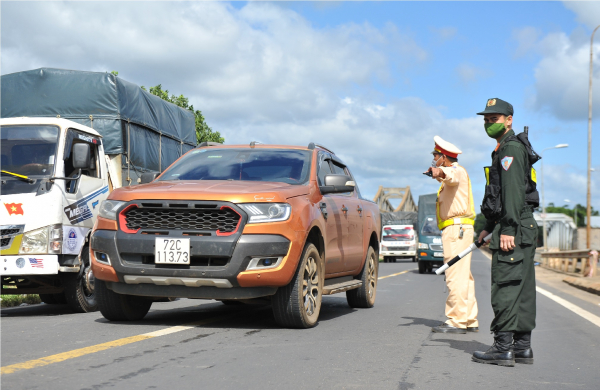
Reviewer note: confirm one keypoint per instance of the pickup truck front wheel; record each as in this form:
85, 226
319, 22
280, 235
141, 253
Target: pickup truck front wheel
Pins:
298, 304
364, 296
119, 307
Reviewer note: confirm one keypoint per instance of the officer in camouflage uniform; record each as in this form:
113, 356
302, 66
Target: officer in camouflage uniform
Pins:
510, 196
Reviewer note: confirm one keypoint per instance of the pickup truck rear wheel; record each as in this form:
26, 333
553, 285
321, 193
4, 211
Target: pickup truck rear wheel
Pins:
364, 296
298, 304
120, 307
79, 288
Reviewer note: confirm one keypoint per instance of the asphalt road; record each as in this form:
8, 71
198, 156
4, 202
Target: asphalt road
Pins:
204, 344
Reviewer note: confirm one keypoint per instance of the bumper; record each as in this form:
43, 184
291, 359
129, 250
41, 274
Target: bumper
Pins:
429, 255
398, 253
214, 272
29, 265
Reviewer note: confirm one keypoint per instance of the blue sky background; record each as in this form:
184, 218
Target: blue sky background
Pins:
374, 81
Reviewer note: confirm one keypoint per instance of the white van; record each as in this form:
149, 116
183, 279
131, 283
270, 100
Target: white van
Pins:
398, 241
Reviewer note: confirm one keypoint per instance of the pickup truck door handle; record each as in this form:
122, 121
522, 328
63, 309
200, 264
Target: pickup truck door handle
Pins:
323, 207
344, 209
359, 209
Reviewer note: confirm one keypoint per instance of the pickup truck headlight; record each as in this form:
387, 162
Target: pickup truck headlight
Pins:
267, 212
423, 246
35, 241
108, 209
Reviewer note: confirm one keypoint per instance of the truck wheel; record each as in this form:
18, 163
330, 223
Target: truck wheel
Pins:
422, 267
79, 289
119, 307
364, 296
298, 304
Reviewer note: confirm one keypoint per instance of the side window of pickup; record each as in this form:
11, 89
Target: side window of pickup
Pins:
324, 168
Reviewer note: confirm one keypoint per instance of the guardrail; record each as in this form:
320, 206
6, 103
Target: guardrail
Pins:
585, 261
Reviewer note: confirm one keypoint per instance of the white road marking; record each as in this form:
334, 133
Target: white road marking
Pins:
594, 319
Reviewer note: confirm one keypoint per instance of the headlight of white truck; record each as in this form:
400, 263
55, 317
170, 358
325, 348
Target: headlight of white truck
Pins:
46, 240
423, 246
108, 209
267, 212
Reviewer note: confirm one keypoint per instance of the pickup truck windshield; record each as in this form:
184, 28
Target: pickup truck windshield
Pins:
430, 227
273, 165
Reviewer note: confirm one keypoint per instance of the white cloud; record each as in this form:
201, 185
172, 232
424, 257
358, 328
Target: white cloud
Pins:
262, 72
527, 39
588, 12
444, 33
469, 74
566, 181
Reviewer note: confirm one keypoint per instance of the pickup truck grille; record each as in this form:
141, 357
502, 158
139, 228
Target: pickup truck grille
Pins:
222, 220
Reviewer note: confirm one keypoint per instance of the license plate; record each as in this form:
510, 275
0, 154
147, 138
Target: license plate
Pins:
172, 251
438, 254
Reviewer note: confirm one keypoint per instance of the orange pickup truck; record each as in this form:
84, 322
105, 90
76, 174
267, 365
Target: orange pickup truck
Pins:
236, 223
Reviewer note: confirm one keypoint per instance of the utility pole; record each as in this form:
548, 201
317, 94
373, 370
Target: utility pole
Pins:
589, 167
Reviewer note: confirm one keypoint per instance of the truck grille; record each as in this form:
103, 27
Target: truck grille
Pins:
397, 248
436, 247
211, 219
5, 242
8, 233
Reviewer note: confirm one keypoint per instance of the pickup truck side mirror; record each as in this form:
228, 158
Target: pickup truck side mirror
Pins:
82, 156
148, 177
335, 184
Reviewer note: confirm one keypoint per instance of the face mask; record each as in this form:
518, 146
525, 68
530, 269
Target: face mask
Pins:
434, 162
494, 130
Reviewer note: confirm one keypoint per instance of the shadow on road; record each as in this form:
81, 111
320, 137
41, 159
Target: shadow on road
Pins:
465, 346
421, 321
36, 310
229, 316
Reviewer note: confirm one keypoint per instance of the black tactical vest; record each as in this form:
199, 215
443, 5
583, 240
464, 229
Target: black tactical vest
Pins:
491, 206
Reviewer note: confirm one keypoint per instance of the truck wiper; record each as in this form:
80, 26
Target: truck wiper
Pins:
22, 177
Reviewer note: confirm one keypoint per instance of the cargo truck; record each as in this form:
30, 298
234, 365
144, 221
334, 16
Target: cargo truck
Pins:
69, 138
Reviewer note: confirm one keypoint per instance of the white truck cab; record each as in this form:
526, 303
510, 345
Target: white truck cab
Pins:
398, 241
54, 177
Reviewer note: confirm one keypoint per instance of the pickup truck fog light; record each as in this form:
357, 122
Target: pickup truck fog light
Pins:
102, 257
264, 262
267, 212
108, 209
423, 254
423, 246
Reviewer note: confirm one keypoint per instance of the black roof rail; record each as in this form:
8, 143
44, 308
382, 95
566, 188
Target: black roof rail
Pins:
253, 143
312, 145
203, 144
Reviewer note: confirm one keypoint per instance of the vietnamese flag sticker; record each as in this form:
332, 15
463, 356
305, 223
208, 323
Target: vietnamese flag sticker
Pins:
14, 208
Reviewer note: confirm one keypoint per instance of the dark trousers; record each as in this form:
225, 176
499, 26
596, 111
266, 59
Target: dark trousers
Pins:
513, 280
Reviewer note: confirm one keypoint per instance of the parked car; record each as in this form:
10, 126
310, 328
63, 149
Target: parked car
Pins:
238, 223
398, 241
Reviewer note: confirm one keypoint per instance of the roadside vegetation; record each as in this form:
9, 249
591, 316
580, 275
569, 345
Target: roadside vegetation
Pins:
16, 300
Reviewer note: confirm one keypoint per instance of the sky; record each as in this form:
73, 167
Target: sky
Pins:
372, 81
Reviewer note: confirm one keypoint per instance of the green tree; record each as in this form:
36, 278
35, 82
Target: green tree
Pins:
480, 222
579, 209
203, 132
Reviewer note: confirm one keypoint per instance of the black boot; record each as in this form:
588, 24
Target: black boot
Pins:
500, 353
522, 347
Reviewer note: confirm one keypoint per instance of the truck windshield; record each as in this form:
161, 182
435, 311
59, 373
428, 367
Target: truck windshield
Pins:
273, 165
390, 234
430, 227
28, 150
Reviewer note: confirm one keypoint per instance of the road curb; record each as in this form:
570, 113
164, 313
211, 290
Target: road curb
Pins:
592, 286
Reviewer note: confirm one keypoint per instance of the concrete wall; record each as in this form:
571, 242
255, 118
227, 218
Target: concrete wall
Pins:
580, 240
